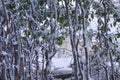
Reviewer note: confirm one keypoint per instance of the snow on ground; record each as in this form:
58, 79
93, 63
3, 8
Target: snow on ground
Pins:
60, 65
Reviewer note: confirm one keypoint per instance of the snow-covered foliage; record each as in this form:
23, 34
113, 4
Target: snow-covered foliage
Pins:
31, 32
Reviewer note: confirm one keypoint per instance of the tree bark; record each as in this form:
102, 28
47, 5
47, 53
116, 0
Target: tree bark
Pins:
85, 42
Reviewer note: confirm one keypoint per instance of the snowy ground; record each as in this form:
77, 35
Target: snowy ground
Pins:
64, 64
61, 64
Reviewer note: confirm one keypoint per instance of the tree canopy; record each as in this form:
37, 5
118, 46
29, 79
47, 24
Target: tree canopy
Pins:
33, 29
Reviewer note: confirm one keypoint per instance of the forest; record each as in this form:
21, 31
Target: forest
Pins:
32, 33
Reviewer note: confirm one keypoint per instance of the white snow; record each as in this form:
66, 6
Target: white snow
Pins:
61, 65
4, 53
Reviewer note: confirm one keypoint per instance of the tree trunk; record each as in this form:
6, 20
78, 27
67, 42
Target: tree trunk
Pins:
85, 39
72, 32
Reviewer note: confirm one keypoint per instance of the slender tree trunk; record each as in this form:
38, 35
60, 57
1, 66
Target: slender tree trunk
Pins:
37, 66
21, 69
112, 66
51, 48
72, 32
106, 42
86, 51
106, 73
85, 42
30, 64
16, 61
43, 63
4, 70
46, 71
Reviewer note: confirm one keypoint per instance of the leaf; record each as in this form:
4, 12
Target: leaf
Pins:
115, 15
118, 20
117, 58
110, 39
95, 47
117, 35
60, 40
61, 19
79, 27
92, 15
114, 23
42, 2
24, 38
